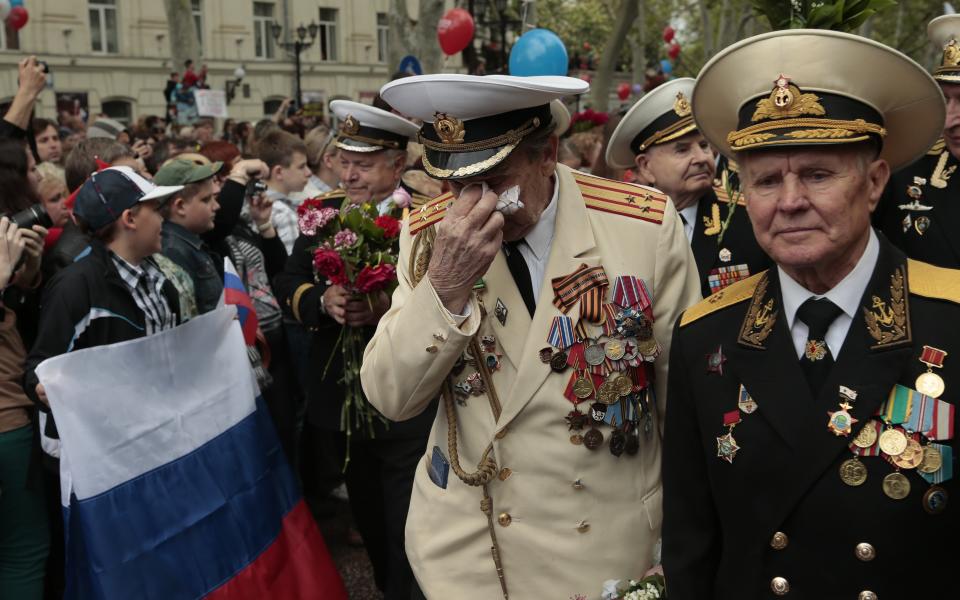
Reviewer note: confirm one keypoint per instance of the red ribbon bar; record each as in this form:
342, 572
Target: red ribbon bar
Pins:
731, 418
932, 356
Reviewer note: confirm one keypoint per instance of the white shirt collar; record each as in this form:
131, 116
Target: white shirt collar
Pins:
846, 294
690, 219
541, 236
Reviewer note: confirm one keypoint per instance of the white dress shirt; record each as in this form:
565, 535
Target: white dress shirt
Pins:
689, 215
536, 249
846, 294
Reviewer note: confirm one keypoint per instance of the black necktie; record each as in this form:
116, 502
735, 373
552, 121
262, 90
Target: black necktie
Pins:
521, 273
817, 359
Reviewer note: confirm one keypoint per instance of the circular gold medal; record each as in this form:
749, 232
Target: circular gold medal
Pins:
614, 349
932, 460
896, 486
893, 442
911, 457
582, 388
853, 472
623, 384
607, 393
648, 346
576, 439
930, 384
867, 436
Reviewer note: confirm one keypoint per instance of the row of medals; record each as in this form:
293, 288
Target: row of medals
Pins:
903, 451
634, 337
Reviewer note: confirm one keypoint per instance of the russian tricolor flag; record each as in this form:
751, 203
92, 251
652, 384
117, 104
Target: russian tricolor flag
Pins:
174, 484
234, 292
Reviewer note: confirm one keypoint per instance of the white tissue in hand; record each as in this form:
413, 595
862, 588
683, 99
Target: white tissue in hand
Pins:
509, 201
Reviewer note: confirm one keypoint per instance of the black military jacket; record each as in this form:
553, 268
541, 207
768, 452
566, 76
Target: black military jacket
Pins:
299, 292
920, 209
724, 251
722, 519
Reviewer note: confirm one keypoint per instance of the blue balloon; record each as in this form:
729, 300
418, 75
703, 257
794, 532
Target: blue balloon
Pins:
16, 3
666, 66
538, 52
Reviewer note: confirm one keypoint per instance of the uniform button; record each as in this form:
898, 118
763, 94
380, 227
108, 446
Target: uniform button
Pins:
432, 349
866, 552
583, 527
501, 434
505, 473
779, 541
578, 485
504, 519
780, 586
867, 595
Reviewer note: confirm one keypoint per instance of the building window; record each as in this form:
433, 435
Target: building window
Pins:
103, 26
196, 8
120, 110
9, 38
328, 34
262, 36
383, 29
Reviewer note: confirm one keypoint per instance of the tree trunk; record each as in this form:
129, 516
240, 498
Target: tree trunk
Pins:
638, 46
427, 45
600, 89
183, 34
707, 28
400, 36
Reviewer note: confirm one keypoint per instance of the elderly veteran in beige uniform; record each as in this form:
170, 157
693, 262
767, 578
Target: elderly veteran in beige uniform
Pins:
810, 443
537, 302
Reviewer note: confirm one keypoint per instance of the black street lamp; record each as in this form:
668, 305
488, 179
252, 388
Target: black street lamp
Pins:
298, 45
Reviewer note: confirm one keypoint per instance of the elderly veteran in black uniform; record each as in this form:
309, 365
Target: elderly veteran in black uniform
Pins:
809, 446
659, 138
380, 473
920, 210
543, 325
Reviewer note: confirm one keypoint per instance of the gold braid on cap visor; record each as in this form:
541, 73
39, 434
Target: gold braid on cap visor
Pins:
373, 141
468, 170
805, 130
511, 137
678, 129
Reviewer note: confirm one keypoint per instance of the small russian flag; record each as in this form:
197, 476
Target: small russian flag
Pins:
235, 293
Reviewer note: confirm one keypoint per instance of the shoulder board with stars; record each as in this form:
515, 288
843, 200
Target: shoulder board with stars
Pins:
933, 282
430, 213
722, 196
937, 147
620, 198
734, 293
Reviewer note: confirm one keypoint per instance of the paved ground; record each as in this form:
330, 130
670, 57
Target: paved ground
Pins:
352, 562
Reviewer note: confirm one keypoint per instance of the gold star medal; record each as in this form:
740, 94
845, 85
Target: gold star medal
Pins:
727, 447
841, 422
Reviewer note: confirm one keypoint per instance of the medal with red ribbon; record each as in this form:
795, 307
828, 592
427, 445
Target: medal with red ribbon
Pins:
727, 447
930, 383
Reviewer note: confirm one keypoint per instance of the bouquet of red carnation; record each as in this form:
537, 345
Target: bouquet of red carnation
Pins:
587, 119
357, 249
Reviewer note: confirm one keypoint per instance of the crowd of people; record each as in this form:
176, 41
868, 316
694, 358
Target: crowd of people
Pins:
548, 347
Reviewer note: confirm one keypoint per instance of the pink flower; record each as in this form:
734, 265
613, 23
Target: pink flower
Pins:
311, 218
344, 238
401, 197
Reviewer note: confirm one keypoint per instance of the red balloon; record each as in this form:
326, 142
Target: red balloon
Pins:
455, 31
668, 33
18, 17
674, 51
623, 91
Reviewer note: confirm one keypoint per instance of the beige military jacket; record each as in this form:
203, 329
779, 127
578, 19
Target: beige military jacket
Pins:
565, 518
